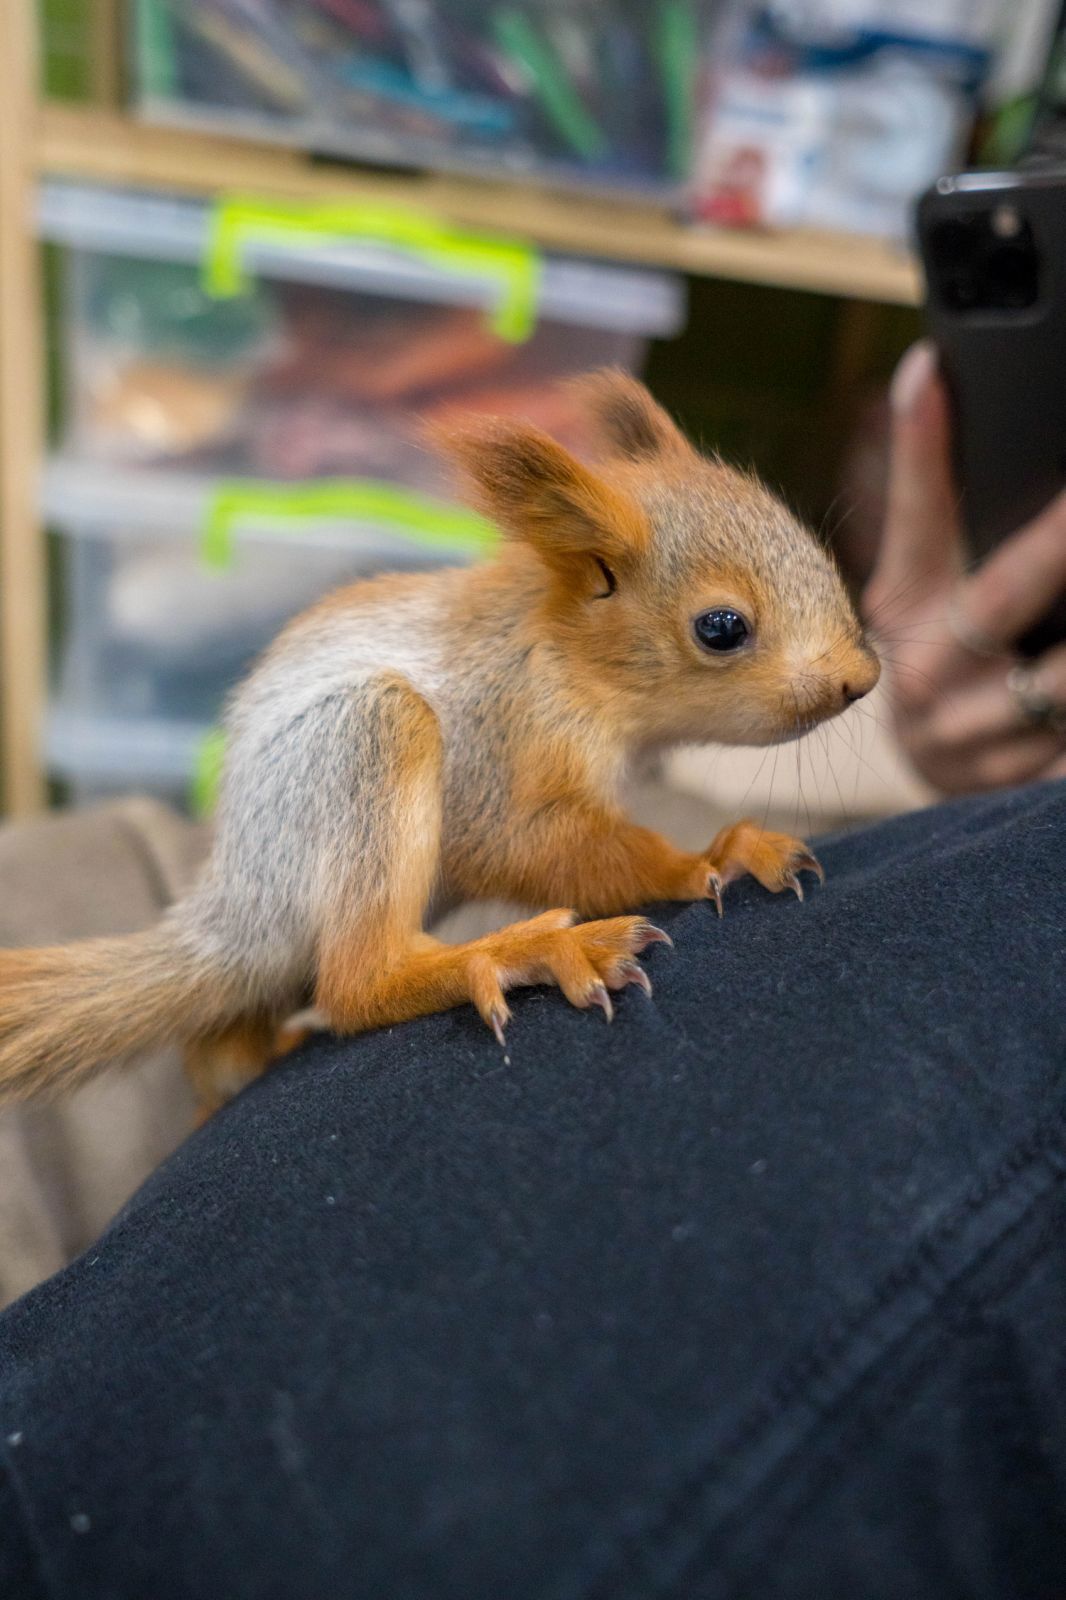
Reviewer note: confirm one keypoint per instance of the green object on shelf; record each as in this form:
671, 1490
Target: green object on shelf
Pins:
513, 264
1008, 131
563, 106
64, 33
207, 773
160, 307
157, 71
678, 49
417, 517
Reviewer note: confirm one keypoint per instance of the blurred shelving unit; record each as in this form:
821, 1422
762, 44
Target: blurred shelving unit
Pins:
23, 583
178, 570
94, 143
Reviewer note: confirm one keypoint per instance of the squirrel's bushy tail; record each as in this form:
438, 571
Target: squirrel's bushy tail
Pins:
66, 1011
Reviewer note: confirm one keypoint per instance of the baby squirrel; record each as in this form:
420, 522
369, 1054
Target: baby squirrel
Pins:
416, 741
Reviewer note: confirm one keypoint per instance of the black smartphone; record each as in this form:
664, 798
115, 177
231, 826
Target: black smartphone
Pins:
993, 245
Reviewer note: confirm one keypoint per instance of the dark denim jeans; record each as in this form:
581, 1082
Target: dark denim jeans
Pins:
760, 1292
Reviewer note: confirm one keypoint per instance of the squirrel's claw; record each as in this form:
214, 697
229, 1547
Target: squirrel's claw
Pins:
585, 960
496, 1020
632, 972
714, 891
801, 861
598, 996
774, 859
804, 861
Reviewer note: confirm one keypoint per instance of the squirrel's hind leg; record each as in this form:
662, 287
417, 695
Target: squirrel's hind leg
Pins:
381, 886
585, 960
344, 835
375, 963
220, 1065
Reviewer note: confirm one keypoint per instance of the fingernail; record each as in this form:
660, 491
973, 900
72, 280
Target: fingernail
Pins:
911, 376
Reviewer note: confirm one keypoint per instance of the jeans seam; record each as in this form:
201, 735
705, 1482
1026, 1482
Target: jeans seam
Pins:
904, 1385
827, 1355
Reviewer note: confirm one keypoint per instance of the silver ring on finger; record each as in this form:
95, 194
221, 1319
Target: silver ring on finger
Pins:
1036, 706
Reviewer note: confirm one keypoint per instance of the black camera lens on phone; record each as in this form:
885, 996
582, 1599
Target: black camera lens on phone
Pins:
983, 266
1011, 274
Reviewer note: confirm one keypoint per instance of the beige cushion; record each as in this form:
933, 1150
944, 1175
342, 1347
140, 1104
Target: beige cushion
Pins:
66, 1168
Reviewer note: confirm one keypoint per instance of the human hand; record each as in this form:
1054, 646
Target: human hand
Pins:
968, 714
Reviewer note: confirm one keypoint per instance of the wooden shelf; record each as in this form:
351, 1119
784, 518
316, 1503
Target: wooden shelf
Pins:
75, 142
101, 144
23, 619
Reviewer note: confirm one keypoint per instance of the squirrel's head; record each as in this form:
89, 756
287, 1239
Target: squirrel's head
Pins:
689, 597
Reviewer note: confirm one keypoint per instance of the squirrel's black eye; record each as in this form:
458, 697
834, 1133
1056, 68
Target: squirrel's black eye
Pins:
609, 579
721, 630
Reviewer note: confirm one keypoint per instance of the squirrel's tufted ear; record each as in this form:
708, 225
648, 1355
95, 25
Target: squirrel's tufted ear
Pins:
536, 491
627, 421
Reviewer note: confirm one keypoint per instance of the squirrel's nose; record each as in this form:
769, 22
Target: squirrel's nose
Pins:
863, 674
863, 671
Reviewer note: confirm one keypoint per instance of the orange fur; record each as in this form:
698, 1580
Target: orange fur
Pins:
538, 492
66, 1011
584, 961
220, 1066
417, 741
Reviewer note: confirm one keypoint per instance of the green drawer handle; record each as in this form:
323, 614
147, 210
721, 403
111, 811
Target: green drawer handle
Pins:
207, 773
423, 520
514, 265
426, 521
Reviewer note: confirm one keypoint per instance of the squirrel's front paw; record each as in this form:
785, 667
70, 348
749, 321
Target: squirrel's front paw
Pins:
585, 961
774, 859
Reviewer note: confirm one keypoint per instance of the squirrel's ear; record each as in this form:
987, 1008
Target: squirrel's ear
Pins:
536, 491
626, 419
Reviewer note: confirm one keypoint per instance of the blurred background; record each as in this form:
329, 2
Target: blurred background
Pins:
247, 246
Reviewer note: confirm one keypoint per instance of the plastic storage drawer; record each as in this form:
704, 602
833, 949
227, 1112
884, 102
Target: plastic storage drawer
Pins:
153, 637
222, 462
331, 364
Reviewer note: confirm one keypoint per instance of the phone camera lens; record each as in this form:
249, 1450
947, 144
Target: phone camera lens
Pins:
1010, 272
961, 293
986, 261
